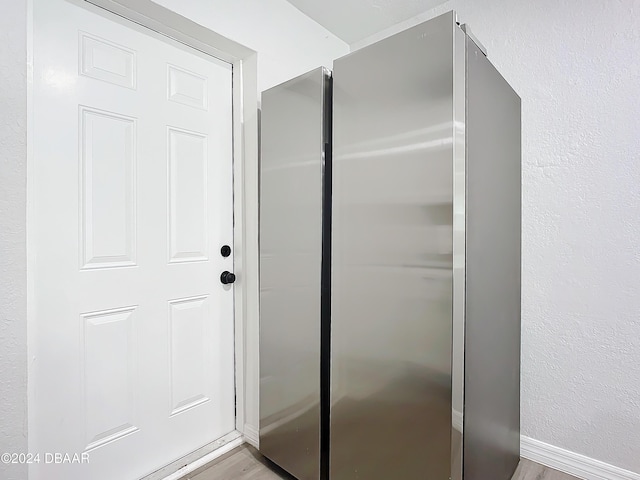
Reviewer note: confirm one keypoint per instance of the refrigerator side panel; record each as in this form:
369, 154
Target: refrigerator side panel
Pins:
392, 257
459, 251
291, 197
492, 349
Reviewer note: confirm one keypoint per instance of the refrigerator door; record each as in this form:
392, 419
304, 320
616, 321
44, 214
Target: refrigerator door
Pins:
294, 134
394, 135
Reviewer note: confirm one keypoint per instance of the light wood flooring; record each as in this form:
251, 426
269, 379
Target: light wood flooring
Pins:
246, 463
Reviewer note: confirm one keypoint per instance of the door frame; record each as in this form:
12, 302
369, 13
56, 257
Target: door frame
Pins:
245, 193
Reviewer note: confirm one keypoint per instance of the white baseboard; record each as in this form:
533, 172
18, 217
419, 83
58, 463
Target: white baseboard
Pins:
572, 463
251, 435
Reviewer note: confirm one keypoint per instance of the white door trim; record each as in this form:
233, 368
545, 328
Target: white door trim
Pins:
245, 188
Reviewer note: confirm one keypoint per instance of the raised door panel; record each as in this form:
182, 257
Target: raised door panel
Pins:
107, 61
109, 375
187, 153
190, 346
186, 87
108, 212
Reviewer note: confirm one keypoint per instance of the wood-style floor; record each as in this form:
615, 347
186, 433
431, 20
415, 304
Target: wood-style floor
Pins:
246, 463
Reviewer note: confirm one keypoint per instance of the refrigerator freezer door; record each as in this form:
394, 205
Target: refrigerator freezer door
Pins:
392, 279
294, 131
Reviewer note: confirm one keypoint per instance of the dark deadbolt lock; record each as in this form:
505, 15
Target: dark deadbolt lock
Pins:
225, 251
227, 277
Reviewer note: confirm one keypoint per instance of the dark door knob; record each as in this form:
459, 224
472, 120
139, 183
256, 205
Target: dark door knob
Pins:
227, 277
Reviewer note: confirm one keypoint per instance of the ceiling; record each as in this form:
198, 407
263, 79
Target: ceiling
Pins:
354, 20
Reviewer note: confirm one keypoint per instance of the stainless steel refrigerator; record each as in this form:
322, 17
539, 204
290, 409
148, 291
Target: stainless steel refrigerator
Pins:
294, 272
390, 294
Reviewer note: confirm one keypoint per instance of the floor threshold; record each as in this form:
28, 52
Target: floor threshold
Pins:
196, 459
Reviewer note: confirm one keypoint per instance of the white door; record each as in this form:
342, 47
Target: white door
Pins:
132, 352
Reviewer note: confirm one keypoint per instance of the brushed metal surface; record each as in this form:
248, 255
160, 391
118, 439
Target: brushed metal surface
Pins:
294, 131
466, 29
392, 257
492, 348
459, 252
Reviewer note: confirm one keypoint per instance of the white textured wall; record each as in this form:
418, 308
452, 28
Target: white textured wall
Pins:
576, 66
287, 41
13, 168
